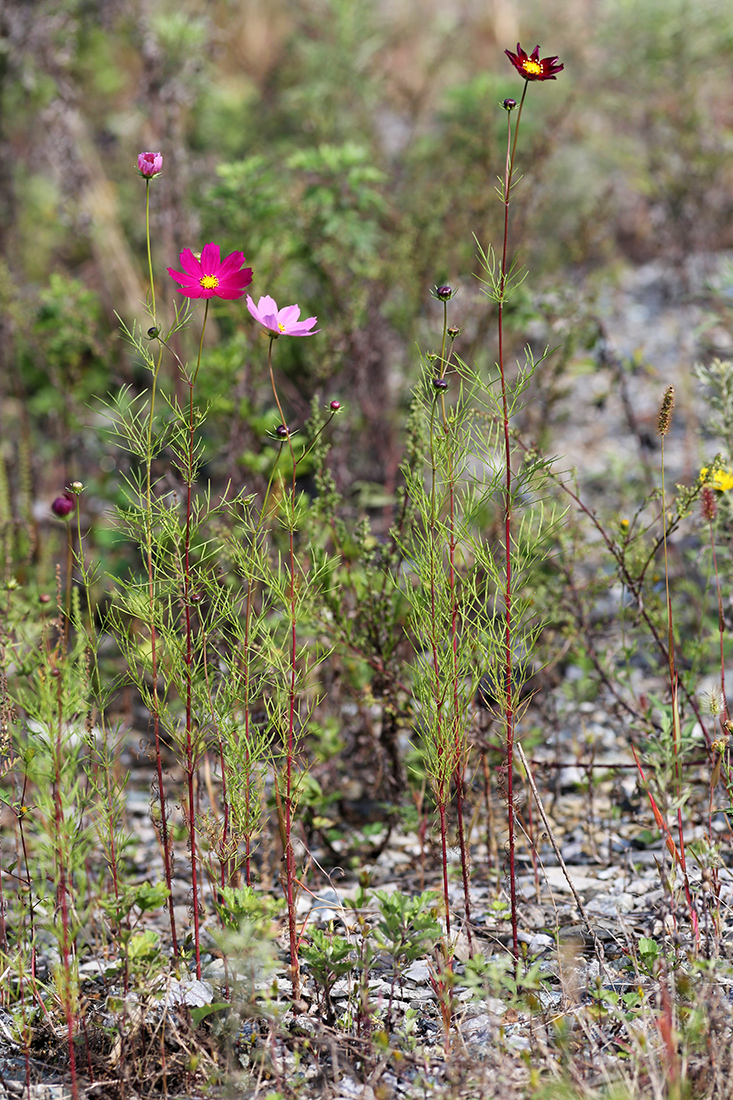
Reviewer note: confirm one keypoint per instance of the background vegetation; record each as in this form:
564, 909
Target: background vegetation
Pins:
351, 150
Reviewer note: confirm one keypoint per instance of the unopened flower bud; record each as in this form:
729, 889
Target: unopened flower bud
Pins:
454, 331
335, 406
281, 431
76, 488
62, 506
149, 165
44, 597
153, 332
443, 293
440, 383
509, 104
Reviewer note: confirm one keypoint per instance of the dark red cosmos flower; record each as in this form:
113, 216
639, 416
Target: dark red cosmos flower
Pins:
531, 68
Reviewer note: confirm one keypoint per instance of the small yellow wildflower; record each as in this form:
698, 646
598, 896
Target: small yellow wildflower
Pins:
722, 480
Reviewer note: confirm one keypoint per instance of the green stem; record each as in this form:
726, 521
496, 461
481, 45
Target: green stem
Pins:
69, 578
147, 236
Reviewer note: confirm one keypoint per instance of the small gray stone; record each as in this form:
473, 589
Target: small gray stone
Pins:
349, 1089
418, 972
479, 1029
189, 991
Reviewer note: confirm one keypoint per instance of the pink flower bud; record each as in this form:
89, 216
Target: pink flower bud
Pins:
149, 165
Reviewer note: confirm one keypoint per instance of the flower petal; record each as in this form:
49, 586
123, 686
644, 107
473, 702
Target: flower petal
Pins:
288, 316
252, 308
230, 264
184, 278
302, 328
229, 291
239, 279
189, 263
197, 291
267, 305
210, 259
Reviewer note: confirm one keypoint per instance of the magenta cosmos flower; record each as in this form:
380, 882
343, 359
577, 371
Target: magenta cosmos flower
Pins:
281, 322
531, 68
208, 276
149, 165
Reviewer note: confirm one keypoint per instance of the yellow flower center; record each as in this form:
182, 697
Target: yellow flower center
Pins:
281, 326
531, 66
209, 282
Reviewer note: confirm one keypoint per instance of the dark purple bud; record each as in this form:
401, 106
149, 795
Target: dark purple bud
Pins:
281, 431
454, 331
153, 331
509, 104
440, 383
63, 505
444, 293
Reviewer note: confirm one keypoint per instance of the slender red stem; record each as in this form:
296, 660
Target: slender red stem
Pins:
62, 894
721, 628
247, 736
441, 794
509, 716
290, 749
164, 831
458, 727
191, 747
225, 860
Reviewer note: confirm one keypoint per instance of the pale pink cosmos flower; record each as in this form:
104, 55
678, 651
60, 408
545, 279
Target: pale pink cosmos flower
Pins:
149, 165
208, 276
281, 322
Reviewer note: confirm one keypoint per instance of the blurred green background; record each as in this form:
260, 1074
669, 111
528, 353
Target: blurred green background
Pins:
351, 149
